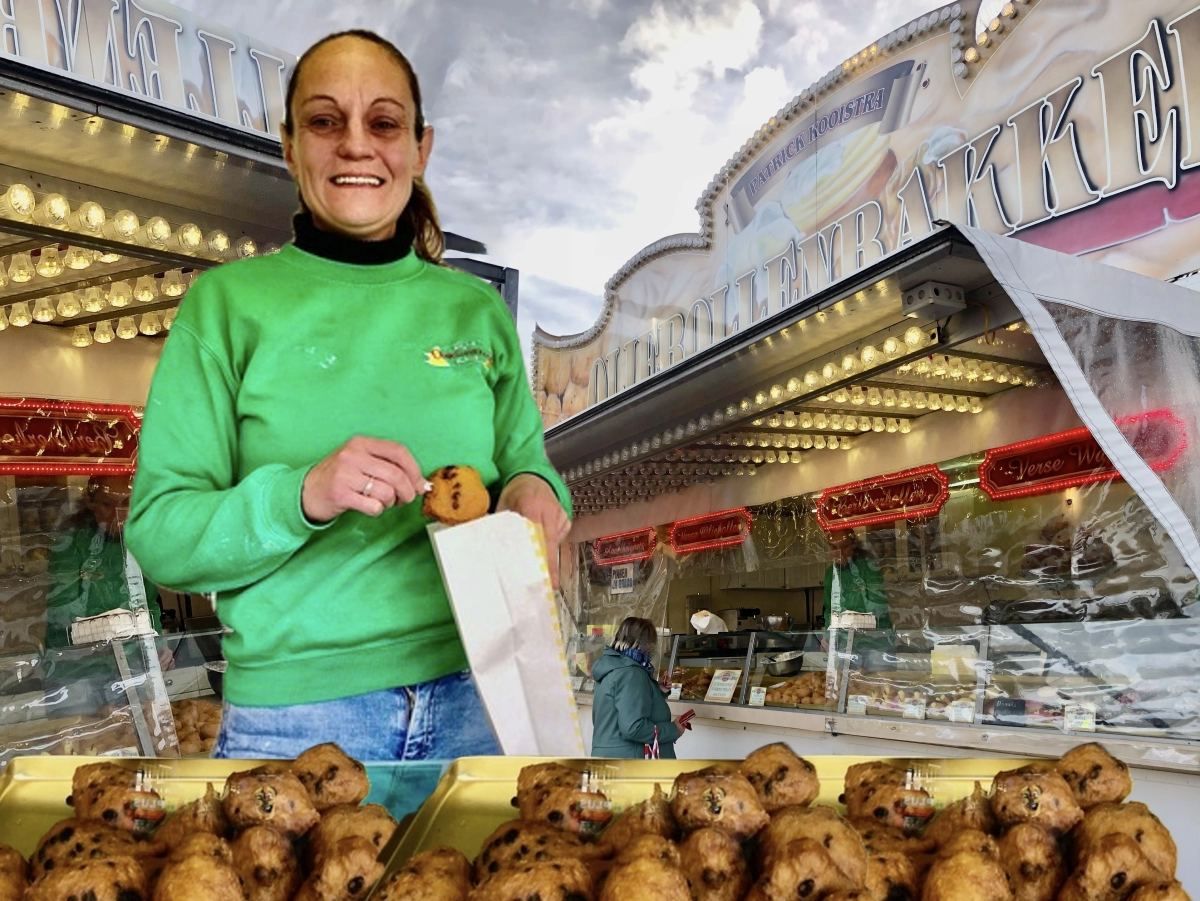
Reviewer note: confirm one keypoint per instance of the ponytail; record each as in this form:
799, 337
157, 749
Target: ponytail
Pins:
429, 243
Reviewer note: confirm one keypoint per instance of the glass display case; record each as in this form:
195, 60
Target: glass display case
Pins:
1136, 678
155, 696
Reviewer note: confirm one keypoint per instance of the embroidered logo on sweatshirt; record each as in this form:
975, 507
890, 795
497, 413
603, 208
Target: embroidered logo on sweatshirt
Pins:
459, 355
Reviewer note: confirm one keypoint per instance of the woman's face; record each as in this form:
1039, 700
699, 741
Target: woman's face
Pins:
353, 151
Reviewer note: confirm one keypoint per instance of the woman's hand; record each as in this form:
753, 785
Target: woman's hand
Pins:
364, 474
681, 725
533, 498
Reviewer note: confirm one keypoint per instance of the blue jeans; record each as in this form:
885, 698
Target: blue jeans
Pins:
438, 720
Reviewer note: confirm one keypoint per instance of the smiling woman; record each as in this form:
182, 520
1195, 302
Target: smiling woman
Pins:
284, 445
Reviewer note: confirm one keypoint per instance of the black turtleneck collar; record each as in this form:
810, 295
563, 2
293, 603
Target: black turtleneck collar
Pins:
342, 249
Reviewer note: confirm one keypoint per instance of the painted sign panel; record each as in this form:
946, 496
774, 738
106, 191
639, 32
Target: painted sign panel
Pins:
625, 547
40, 437
1055, 462
912, 494
154, 51
715, 530
1074, 124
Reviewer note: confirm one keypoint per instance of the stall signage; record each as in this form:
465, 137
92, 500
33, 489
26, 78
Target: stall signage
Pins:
154, 51
1076, 128
714, 530
1072, 458
911, 494
625, 547
55, 438
622, 579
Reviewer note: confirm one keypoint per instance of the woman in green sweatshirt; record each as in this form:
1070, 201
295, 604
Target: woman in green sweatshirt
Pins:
299, 403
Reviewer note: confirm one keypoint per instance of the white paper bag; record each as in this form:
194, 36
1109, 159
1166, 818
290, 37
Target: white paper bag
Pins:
498, 581
706, 623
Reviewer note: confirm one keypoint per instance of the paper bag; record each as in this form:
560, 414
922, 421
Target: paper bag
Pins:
706, 623
498, 581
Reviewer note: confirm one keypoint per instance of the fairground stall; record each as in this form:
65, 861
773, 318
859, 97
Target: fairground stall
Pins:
923, 369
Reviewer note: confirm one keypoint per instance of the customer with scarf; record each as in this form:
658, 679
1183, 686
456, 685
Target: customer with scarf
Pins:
300, 403
628, 704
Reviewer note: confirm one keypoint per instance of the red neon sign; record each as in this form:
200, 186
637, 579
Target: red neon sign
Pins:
624, 547
46, 437
911, 494
713, 530
1073, 458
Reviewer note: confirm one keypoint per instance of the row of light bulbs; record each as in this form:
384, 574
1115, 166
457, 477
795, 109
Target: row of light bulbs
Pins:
868, 357
119, 294
148, 324
956, 369
54, 211
51, 263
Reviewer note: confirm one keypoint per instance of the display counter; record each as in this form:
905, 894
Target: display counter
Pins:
1016, 689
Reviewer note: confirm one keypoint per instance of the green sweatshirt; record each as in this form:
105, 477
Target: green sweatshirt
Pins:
272, 364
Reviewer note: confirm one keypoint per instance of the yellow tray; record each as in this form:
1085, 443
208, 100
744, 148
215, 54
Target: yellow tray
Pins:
475, 795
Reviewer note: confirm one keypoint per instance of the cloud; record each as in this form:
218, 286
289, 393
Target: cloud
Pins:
570, 135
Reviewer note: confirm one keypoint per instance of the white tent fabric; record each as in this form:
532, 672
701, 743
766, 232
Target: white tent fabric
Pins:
1121, 344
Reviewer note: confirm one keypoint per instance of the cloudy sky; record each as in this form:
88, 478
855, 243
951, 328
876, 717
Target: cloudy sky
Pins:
571, 133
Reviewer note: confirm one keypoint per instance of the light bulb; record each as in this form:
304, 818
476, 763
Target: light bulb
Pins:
77, 258
120, 294
961, 404
819, 442
845, 443
757, 457
793, 386
975, 405
919, 400
760, 399
793, 441
777, 441
905, 426
857, 396
850, 364
145, 289
123, 226
864, 423
775, 421
172, 284
948, 404
923, 366
3, 320
892, 426
49, 264
935, 401
68, 305
789, 420
125, 328
841, 396
850, 423
89, 218
971, 370
20, 315
762, 441
877, 424
892, 347
82, 336
155, 233
17, 202
889, 398
53, 212
821, 421
218, 243
107, 256
956, 369
987, 372
745, 405
831, 442
812, 380
269, 249
874, 398
769, 456
150, 324
906, 399
168, 319
246, 247
3, 277
836, 421
806, 420
93, 300
1030, 380
914, 338
104, 332
188, 238
830, 372
806, 442
42, 310
20, 270
869, 356
1001, 373
940, 366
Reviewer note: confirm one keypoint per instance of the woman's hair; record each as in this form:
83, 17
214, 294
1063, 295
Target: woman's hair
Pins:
421, 213
635, 632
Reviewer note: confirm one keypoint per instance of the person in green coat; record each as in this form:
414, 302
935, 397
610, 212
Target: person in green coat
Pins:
854, 583
628, 703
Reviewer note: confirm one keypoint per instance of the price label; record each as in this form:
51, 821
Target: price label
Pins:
676, 691
914, 709
724, 682
857, 704
961, 711
1080, 717
121, 752
758, 697
622, 579
577, 683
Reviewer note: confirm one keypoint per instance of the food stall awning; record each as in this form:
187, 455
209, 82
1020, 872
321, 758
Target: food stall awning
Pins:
1120, 344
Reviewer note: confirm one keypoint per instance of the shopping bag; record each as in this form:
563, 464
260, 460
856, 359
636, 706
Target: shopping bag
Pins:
652, 752
498, 581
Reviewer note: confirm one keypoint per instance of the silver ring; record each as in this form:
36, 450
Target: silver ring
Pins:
366, 491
